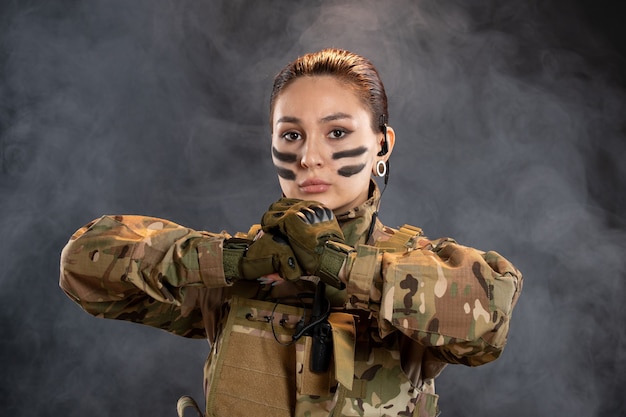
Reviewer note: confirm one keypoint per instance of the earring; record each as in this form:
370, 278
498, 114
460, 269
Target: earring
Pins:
381, 168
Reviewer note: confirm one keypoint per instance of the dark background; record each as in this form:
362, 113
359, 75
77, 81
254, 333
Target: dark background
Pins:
511, 134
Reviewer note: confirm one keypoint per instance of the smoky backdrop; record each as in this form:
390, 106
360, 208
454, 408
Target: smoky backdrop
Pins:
510, 128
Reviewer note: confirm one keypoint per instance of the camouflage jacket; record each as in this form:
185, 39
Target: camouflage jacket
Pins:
427, 304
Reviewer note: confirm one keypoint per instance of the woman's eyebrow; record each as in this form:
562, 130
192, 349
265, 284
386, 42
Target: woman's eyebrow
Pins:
325, 119
288, 119
335, 116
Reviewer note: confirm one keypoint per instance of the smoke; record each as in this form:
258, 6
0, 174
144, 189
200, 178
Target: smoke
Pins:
510, 136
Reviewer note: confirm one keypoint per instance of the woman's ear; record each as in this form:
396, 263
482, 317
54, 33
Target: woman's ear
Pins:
391, 140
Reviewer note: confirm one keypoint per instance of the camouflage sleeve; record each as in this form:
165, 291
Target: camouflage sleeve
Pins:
143, 269
455, 299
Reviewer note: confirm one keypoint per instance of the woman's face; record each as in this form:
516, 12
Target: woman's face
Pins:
323, 144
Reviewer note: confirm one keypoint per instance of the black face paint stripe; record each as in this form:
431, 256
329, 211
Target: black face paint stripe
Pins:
350, 170
283, 156
286, 174
350, 153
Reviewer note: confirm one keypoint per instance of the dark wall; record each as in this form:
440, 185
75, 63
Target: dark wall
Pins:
510, 136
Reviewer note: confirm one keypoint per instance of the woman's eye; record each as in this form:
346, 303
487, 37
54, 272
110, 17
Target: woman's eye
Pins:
291, 136
338, 133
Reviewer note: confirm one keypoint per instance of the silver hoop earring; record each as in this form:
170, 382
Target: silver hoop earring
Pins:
381, 168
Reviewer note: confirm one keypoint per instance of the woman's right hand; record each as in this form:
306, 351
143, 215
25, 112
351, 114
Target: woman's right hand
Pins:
252, 259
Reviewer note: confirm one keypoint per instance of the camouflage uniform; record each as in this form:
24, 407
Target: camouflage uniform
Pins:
415, 305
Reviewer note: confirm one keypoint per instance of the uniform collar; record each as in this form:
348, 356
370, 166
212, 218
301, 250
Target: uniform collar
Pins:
356, 222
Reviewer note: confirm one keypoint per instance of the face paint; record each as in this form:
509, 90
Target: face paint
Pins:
286, 174
284, 156
350, 170
287, 158
350, 153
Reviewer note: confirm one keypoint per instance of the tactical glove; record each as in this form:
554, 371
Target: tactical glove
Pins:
313, 234
252, 259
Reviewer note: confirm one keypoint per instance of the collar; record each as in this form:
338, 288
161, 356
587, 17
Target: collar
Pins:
356, 222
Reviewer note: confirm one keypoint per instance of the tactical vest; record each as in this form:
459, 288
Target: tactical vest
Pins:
256, 368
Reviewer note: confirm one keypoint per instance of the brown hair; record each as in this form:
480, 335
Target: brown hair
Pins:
353, 69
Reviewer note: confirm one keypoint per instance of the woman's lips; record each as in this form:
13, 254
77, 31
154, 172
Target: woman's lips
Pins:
314, 186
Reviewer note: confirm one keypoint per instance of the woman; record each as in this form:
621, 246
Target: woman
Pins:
391, 307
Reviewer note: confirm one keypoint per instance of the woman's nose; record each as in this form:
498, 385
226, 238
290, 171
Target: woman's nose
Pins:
312, 155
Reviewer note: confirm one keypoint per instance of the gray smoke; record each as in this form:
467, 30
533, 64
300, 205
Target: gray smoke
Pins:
510, 125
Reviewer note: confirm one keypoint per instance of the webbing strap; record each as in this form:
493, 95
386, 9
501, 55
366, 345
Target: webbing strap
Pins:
344, 338
405, 238
360, 282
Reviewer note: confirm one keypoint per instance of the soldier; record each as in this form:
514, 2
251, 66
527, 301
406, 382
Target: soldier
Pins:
322, 309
